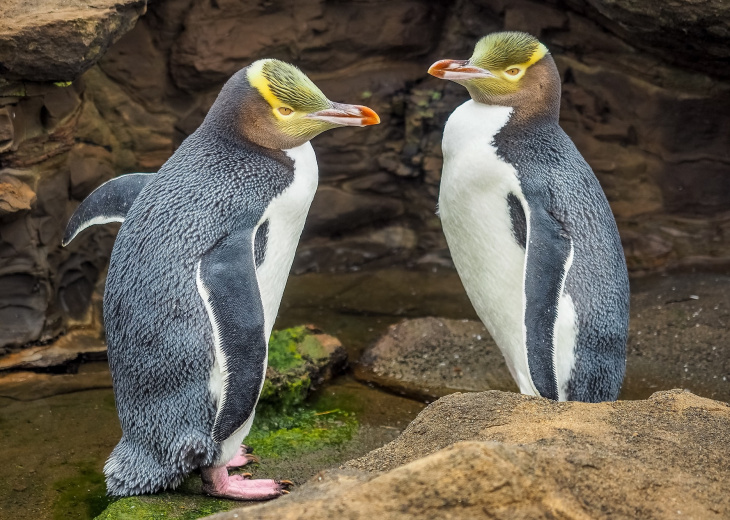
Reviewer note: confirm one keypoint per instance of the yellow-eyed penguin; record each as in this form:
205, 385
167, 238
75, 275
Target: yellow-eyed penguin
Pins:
196, 277
529, 229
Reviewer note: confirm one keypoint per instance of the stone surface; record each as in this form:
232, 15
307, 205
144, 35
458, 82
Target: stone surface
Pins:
646, 96
70, 347
56, 40
31, 386
428, 358
505, 455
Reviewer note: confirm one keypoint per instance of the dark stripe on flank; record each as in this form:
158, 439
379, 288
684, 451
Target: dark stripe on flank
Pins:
547, 253
517, 218
259, 247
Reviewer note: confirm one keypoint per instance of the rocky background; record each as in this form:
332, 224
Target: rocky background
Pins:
93, 89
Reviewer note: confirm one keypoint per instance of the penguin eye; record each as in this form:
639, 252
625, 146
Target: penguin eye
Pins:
513, 71
285, 111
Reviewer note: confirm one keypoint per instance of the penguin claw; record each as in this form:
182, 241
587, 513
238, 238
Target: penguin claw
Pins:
242, 458
285, 482
252, 458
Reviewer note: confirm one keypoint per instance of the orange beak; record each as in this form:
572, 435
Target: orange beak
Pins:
458, 70
347, 115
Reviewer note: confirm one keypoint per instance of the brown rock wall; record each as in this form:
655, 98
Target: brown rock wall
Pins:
646, 98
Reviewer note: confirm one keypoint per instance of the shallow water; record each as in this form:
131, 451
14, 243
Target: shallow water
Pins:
54, 447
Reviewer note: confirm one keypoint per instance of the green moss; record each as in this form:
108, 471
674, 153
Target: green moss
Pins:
80, 496
283, 353
166, 505
311, 348
284, 392
62, 83
302, 431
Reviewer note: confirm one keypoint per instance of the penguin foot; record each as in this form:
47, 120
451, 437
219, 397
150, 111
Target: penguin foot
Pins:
217, 483
242, 458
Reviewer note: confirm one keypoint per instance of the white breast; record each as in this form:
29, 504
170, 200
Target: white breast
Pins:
475, 217
286, 215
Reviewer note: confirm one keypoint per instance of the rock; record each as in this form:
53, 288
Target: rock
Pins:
334, 210
300, 359
60, 39
14, 195
693, 34
30, 386
23, 312
71, 347
506, 456
89, 167
428, 358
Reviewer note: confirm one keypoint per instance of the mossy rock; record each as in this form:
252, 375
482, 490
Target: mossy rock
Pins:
299, 358
285, 426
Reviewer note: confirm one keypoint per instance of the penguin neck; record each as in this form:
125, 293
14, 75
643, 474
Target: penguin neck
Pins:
537, 101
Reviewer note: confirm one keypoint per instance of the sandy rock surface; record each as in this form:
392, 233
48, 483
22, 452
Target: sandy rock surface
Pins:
504, 455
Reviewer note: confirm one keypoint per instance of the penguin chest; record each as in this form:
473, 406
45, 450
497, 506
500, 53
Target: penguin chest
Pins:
477, 188
284, 220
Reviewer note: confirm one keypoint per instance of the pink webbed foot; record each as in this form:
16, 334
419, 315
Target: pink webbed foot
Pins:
217, 483
242, 458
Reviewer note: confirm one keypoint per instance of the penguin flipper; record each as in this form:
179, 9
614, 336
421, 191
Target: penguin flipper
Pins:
549, 253
110, 202
226, 278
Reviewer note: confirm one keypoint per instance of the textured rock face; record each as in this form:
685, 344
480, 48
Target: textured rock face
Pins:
432, 357
502, 455
646, 97
56, 40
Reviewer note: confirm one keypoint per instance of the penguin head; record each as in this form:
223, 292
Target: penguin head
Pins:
507, 68
273, 104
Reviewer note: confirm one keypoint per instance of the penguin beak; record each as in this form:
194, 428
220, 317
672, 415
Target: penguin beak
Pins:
346, 115
458, 70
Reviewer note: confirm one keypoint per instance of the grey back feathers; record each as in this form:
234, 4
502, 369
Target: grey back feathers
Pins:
567, 203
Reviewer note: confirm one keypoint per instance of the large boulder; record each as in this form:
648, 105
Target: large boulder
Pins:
432, 357
57, 40
507, 456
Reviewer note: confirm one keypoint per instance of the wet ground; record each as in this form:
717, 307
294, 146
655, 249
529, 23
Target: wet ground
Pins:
55, 443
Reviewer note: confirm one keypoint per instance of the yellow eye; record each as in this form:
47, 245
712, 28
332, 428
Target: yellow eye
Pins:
513, 71
285, 111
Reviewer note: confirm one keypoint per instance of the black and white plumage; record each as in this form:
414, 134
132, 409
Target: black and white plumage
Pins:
196, 277
530, 230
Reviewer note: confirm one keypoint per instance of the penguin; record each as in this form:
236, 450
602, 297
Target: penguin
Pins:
528, 226
196, 276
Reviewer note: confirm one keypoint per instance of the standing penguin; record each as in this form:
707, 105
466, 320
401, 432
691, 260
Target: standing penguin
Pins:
529, 228
197, 274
